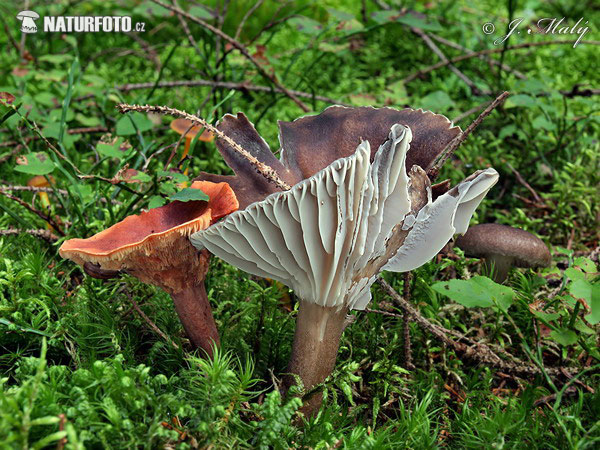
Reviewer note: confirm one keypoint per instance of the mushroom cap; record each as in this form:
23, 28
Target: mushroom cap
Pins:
153, 246
488, 239
330, 234
180, 126
39, 181
311, 143
31, 14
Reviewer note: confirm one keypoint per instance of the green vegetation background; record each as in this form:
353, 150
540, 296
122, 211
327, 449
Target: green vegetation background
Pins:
80, 368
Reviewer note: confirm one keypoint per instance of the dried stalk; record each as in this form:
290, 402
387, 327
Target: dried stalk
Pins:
243, 50
478, 352
266, 171
489, 51
434, 168
44, 234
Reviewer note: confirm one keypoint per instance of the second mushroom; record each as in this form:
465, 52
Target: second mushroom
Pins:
154, 247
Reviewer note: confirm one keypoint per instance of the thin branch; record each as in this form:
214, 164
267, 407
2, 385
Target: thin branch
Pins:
435, 49
473, 110
41, 215
489, 51
456, 46
266, 171
149, 322
240, 27
239, 86
13, 188
44, 234
478, 352
434, 167
243, 50
71, 131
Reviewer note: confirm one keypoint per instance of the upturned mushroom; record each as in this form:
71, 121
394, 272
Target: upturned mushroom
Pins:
329, 236
504, 247
154, 247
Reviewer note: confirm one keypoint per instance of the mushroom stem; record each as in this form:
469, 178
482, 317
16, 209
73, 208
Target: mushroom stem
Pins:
194, 311
316, 342
498, 267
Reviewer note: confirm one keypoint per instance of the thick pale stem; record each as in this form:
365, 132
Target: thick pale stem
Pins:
316, 342
195, 314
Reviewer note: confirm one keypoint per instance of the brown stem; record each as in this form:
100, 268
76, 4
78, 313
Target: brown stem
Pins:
194, 311
316, 342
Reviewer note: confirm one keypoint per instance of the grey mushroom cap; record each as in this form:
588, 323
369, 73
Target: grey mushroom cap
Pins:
31, 14
491, 239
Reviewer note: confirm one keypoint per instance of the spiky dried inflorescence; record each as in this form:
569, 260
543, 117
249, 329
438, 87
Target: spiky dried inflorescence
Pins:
268, 172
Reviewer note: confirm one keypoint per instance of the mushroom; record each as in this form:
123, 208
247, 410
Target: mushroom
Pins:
504, 247
154, 248
41, 181
330, 235
187, 128
28, 17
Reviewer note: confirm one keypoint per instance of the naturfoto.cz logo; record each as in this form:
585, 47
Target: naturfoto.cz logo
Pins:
79, 24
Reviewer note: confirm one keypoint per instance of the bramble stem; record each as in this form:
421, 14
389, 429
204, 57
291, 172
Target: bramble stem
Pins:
266, 171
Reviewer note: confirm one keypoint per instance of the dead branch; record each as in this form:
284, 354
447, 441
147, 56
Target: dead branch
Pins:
489, 51
44, 234
266, 171
243, 50
435, 166
37, 212
478, 352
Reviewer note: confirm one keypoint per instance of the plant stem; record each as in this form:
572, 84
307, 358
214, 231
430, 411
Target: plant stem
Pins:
194, 311
316, 342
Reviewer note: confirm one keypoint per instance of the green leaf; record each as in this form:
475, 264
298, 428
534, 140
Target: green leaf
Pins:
125, 127
586, 264
476, 292
306, 25
548, 317
156, 201
35, 164
574, 274
437, 101
541, 123
520, 100
564, 336
190, 194
114, 149
590, 292
414, 21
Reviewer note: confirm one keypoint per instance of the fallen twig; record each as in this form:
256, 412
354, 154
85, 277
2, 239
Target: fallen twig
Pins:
478, 352
238, 86
435, 166
435, 49
71, 131
268, 172
489, 51
243, 50
149, 322
41, 215
44, 234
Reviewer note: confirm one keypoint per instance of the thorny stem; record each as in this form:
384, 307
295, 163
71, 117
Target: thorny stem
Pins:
434, 168
266, 171
316, 342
